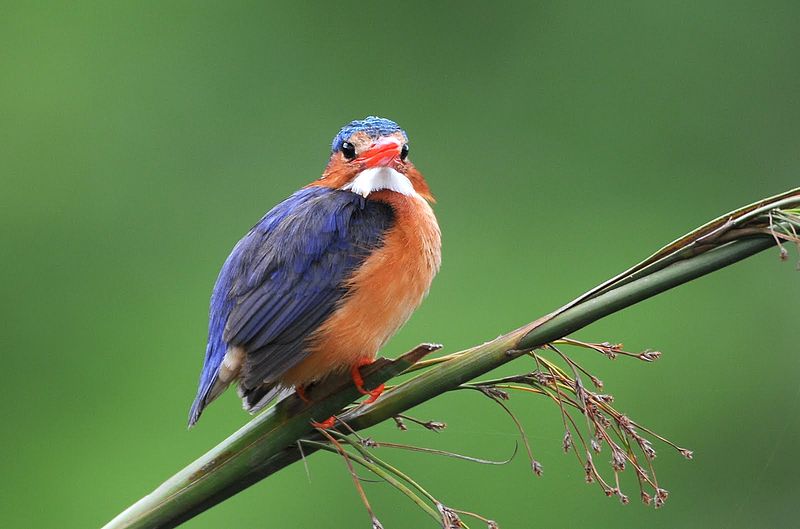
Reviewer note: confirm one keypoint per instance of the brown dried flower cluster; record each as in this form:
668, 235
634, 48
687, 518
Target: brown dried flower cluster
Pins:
602, 426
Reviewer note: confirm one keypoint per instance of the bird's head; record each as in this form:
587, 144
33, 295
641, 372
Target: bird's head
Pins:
370, 155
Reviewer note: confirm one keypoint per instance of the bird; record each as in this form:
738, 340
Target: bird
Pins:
326, 277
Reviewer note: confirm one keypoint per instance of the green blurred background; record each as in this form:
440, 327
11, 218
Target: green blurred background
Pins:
564, 142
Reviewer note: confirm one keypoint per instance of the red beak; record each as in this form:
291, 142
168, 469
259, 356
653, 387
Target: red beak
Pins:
381, 153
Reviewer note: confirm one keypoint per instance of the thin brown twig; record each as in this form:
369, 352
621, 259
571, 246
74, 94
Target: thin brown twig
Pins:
356, 479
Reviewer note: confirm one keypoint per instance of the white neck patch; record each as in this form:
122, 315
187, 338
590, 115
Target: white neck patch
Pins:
377, 178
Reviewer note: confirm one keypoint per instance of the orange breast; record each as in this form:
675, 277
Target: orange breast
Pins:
384, 292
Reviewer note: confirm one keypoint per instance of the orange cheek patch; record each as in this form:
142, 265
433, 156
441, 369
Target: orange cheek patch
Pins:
337, 173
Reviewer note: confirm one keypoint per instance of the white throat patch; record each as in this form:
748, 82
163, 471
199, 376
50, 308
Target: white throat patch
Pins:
377, 178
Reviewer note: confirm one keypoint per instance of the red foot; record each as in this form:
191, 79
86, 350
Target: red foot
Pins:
359, 382
301, 392
327, 423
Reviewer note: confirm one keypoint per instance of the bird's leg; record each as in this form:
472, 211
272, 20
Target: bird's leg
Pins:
327, 423
301, 393
358, 380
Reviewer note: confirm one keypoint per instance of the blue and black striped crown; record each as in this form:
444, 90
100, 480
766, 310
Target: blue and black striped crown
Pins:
374, 126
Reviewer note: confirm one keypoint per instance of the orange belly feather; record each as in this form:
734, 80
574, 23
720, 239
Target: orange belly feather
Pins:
383, 293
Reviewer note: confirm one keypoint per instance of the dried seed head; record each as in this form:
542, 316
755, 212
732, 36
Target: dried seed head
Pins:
623, 499
376, 524
450, 519
617, 460
610, 350
647, 448
661, 497
435, 426
589, 472
688, 454
491, 524
401, 425
536, 467
369, 442
602, 421
650, 356
608, 399
494, 392
646, 498
625, 423
595, 445
597, 382
567, 441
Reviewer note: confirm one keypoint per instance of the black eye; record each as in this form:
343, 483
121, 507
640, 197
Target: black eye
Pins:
349, 150
404, 152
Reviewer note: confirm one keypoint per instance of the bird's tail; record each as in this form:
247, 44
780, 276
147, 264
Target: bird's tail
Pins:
214, 382
204, 398
253, 399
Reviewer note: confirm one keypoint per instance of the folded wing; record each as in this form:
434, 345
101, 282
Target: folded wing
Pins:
283, 280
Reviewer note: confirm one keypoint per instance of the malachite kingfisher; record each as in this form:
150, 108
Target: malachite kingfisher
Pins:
327, 276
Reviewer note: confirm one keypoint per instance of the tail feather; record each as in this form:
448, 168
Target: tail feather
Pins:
203, 399
254, 400
213, 384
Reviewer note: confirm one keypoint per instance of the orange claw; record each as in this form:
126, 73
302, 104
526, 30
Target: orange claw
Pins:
358, 380
327, 423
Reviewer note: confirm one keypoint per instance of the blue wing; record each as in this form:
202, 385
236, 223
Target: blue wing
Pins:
283, 279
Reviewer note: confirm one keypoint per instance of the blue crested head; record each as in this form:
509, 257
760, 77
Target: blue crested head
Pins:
373, 126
